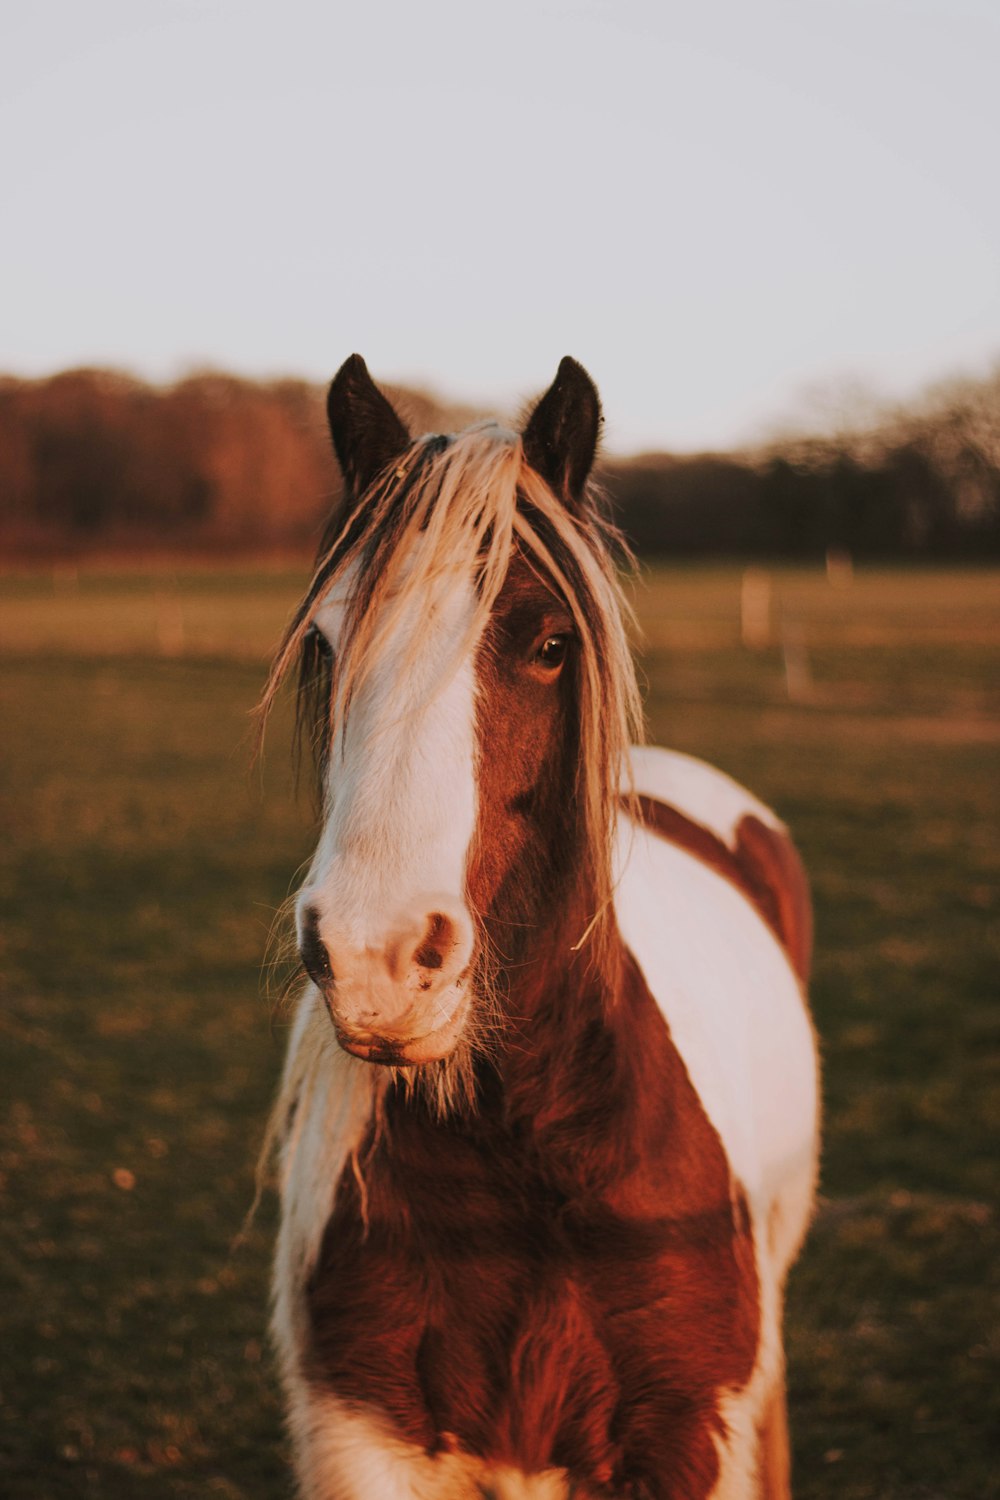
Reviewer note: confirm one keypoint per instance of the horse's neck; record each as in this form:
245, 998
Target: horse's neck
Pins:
602, 1097
587, 1098
558, 1010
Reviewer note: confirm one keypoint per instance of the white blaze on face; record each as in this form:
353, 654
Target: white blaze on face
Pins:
386, 887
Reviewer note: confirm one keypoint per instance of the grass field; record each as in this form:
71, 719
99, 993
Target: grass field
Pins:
140, 868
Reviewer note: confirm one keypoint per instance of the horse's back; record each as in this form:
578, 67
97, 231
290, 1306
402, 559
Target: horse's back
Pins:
714, 906
699, 807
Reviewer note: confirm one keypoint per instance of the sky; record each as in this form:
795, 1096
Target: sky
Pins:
731, 211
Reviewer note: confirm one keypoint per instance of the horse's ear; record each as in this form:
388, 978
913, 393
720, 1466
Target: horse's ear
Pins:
367, 434
560, 437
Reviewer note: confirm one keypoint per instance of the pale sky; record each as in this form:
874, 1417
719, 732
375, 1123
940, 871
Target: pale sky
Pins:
716, 205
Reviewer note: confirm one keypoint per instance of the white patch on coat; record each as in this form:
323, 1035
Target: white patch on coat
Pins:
707, 795
731, 1000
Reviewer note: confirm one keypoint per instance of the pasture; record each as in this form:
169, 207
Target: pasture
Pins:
141, 866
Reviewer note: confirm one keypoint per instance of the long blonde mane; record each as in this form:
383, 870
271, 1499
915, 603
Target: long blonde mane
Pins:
461, 509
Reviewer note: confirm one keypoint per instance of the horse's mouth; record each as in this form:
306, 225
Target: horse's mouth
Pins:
402, 1052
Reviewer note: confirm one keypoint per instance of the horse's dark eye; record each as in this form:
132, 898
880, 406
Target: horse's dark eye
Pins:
552, 651
319, 642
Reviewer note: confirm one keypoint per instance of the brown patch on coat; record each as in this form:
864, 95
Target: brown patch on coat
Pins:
564, 1279
764, 865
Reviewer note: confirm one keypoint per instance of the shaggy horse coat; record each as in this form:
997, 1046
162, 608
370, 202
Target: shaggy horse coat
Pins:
547, 1128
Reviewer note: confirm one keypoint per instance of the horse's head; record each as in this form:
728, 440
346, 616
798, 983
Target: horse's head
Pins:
463, 644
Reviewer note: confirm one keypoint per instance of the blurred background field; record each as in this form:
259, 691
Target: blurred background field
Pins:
142, 862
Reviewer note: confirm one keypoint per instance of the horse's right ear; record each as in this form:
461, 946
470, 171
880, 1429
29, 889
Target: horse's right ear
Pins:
367, 434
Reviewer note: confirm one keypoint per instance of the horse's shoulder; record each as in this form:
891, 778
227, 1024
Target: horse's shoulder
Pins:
705, 812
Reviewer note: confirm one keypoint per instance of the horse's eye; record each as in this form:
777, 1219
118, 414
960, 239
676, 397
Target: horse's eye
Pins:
552, 651
319, 642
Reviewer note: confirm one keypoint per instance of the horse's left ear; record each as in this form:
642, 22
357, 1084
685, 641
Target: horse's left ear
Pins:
560, 437
367, 434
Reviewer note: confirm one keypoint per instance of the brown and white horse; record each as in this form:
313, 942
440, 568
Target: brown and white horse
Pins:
548, 1124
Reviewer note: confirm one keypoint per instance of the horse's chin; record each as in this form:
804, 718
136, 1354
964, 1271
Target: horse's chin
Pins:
407, 1051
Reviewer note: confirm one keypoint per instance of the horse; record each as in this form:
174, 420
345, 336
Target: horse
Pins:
547, 1129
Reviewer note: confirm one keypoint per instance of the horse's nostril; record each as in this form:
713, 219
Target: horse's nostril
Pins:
438, 938
428, 958
313, 951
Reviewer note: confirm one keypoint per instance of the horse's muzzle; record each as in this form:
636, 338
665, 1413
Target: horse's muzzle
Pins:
400, 995
396, 1051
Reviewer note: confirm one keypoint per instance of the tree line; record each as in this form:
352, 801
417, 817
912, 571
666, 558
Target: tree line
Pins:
94, 460
921, 480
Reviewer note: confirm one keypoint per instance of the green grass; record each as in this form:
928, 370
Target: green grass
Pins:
140, 868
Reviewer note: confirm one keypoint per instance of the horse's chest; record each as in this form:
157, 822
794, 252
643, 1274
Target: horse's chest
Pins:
480, 1309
